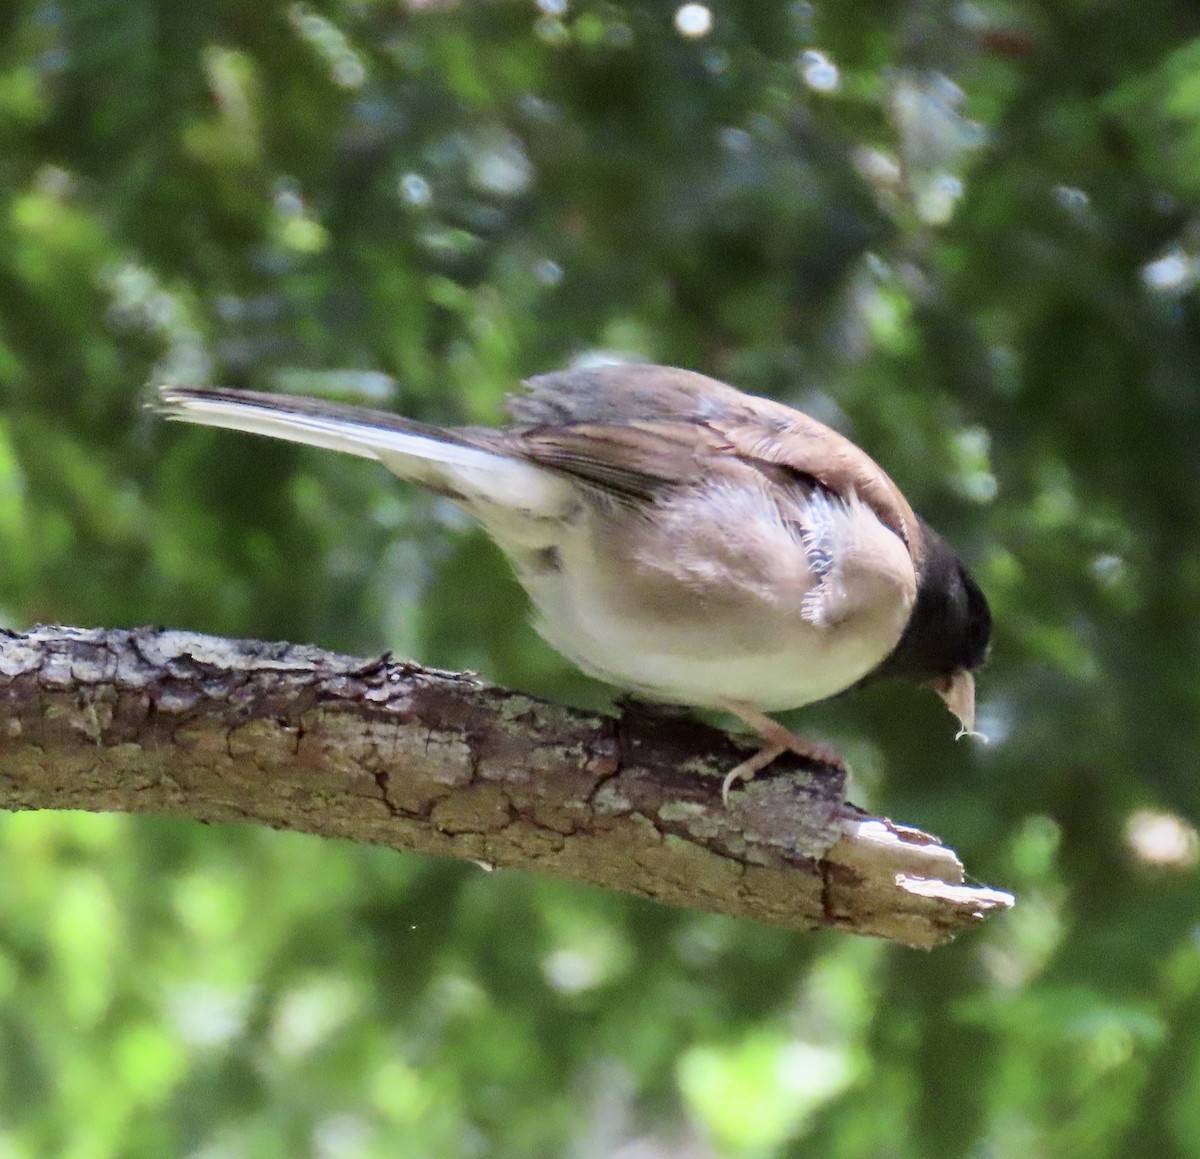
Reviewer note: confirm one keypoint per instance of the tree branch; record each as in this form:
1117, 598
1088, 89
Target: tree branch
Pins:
391, 753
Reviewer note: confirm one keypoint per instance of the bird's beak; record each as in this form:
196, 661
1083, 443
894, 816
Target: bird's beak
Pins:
958, 691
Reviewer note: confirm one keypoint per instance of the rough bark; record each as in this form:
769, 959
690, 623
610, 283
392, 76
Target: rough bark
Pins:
391, 753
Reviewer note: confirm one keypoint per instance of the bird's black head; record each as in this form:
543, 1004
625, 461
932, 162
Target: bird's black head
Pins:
951, 624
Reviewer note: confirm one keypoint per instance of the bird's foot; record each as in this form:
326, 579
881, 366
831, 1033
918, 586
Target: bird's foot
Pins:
779, 740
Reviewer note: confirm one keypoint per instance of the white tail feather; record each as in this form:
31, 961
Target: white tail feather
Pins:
472, 475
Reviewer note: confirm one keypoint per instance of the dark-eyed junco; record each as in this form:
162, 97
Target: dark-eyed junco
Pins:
690, 543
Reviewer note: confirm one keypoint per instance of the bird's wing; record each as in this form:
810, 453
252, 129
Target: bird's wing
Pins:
635, 430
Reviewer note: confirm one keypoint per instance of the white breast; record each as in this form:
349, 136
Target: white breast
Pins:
715, 623
704, 667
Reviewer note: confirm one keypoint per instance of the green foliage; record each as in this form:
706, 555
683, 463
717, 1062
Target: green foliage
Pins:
988, 281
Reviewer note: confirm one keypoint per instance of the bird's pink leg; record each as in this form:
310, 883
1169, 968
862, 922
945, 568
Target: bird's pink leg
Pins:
779, 740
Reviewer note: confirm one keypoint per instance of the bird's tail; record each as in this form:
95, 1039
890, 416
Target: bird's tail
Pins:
457, 463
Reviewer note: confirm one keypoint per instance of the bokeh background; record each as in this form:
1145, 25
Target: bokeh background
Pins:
966, 234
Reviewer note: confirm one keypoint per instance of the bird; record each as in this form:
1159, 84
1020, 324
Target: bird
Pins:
689, 543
